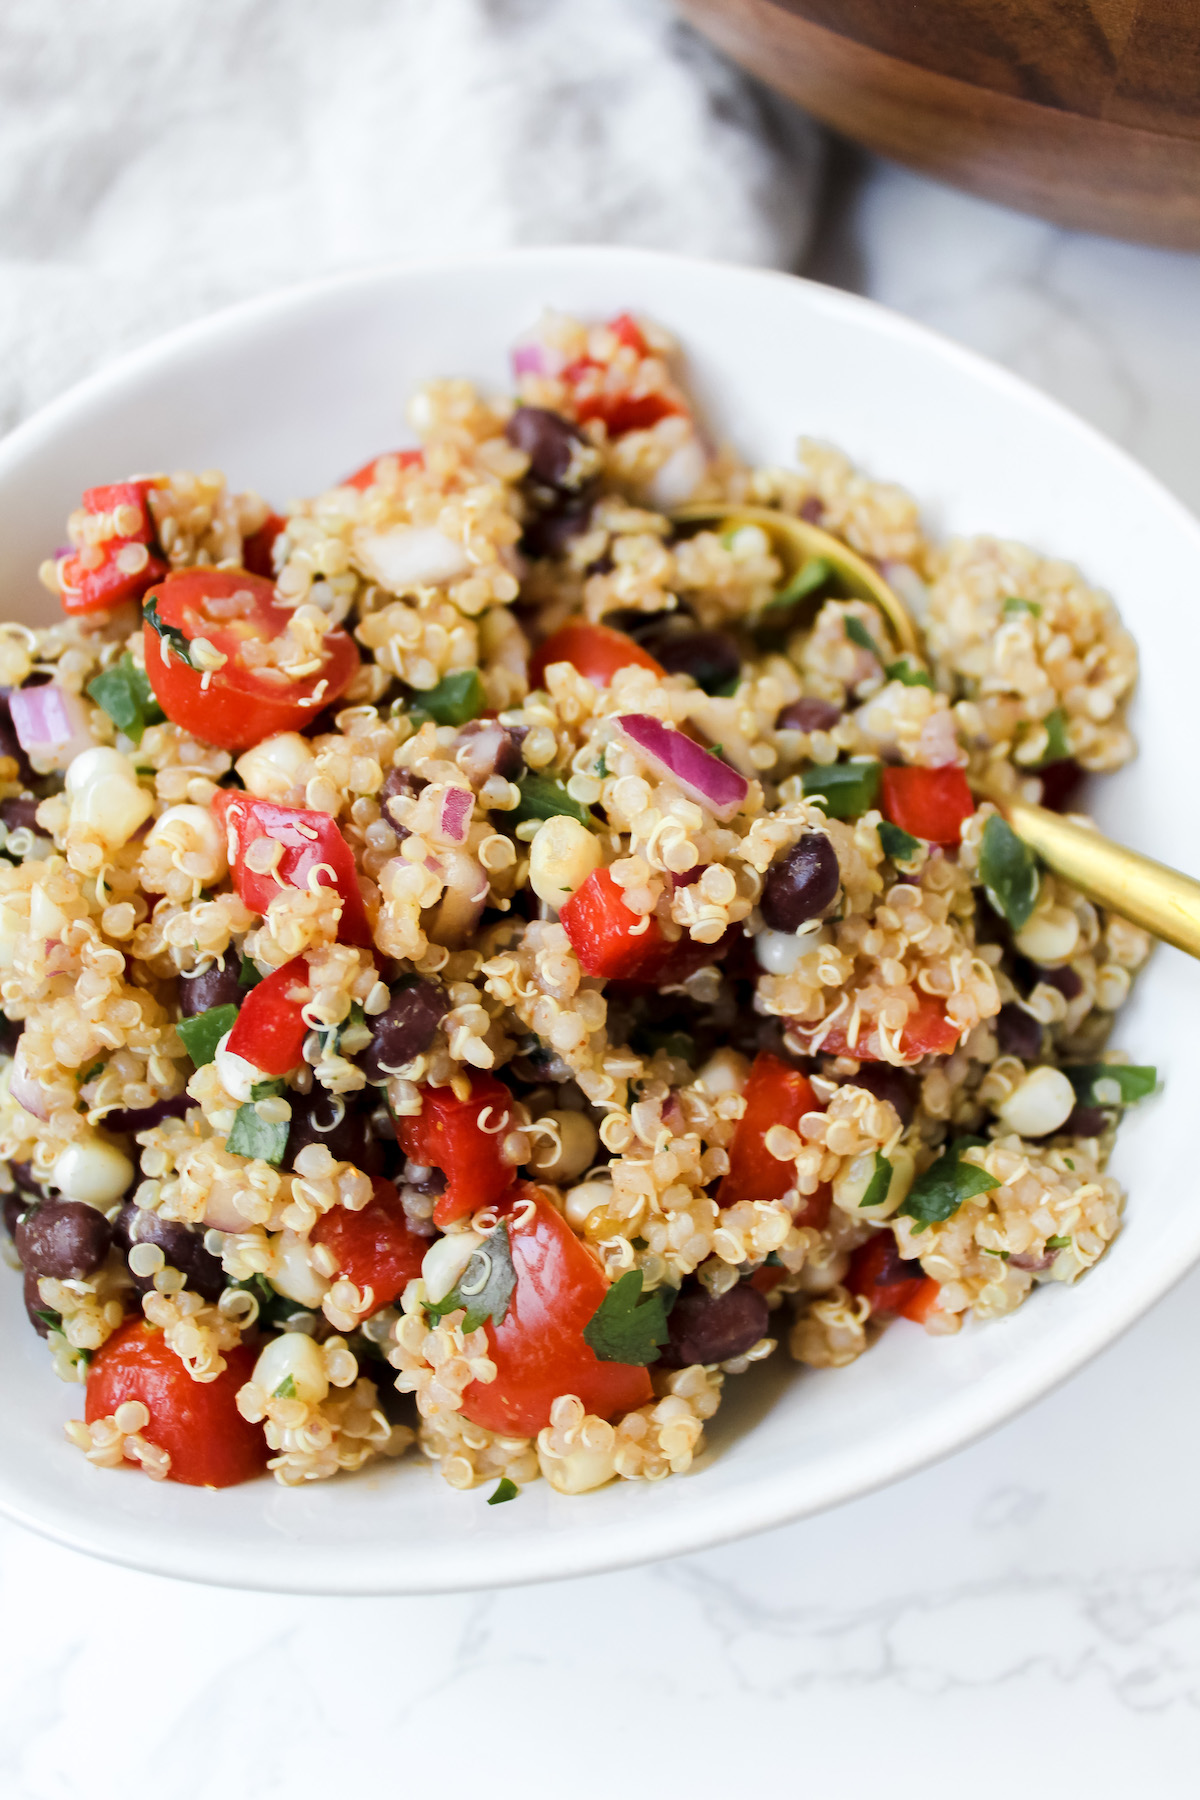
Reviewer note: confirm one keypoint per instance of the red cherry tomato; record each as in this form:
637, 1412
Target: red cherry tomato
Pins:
928, 803
368, 475
888, 1282
196, 1422
258, 548
309, 841
927, 1031
538, 1347
448, 1135
86, 589
375, 1247
242, 703
269, 1030
595, 651
775, 1095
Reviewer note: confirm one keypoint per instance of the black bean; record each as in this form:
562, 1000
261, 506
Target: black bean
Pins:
182, 1247
349, 1139
1061, 782
1018, 1033
406, 1029
896, 1086
484, 747
711, 658
1085, 1121
1068, 982
34, 1305
711, 1328
141, 1118
63, 1238
552, 445
893, 1267
23, 1175
802, 885
397, 782
216, 987
809, 714
15, 1204
550, 533
20, 814
10, 1031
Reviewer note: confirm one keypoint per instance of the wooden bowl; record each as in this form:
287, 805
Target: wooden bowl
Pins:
1084, 111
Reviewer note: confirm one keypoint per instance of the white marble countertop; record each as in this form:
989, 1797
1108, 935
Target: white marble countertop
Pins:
1026, 1615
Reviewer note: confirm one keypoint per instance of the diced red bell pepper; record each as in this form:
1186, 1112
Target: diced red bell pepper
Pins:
927, 1031
607, 938
927, 803
374, 1247
196, 1422
88, 590
622, 412
627, 331
258, 548
768, 1278
775, 1095
310, 841
596, 651
888, 1282
366, 476
448, 1135
269, 1030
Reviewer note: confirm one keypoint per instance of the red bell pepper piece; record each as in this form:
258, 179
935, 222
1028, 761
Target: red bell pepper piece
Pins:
87, 590
366, 476
448, 1135
927, 1031
607, 938
927, 803
269, 1031
888, 1282
374, 1247
596, 651
775, 1095
622, 412
258, 548
309, 841
627, 331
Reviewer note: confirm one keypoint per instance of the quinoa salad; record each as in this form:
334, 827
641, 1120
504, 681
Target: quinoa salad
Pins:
483, 963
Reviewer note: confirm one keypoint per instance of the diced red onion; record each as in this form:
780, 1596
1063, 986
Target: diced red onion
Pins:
143, 1117
50, 723
26, 1091
455, 814
536, 358
702, 776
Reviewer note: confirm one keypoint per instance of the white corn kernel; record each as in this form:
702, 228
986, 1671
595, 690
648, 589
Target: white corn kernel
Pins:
102, 786
296, 1359
92, 1170
583, 1200
1039, 1104
1050, 936
276, 765
192, 830
238, 1076
561, 857
725, 1072
444, 1262
579, 1470
778, 952
292, 1273
570, 1152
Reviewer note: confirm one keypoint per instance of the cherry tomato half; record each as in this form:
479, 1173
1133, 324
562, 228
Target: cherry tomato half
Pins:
242, 703
596, 651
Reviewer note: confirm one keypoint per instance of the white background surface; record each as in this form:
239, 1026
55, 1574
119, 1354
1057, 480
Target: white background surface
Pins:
1025, 1616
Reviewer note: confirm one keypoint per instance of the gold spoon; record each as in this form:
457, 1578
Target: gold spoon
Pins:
1147, 893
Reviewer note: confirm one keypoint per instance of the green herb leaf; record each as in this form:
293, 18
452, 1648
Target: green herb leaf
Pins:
1056, 738
485, 1286
286, 1389
97, 1068
880, 1182
937, 1195
125, 694
170, 633
253, 1137
811, 575
202, 1034
545, 797
248, 975
680, 1044
1014, 605
908, 672
1132, 1080
724, 690
268, 1090
858, 634
844, 789
456, 699
50, 1319
1008, 870
274, 1309
503, 1490
897, 844
1057, 1243
626, 1328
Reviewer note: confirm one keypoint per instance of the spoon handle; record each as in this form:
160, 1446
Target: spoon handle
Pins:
1145, 892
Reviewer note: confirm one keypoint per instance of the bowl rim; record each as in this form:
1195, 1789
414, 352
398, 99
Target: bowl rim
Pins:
774, 1499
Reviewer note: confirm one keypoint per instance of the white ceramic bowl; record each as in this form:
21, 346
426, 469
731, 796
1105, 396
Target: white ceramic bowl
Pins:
286, 394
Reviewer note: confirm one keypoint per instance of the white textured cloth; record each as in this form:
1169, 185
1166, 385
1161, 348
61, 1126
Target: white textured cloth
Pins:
159, 158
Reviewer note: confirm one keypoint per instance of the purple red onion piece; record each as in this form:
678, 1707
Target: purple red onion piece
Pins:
702, 776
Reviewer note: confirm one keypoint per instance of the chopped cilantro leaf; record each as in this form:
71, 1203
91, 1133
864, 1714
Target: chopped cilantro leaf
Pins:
544, 797
1014, 605
50, 1319
626, 1327
503, 1490
844, 789
1009, 872
268, 1090
485, 1286
253, 1137
897, 844
456, 699
907, 672
97, 1068
248, 975
286, 1389
811, 575
1056, 738
858, 634
880, 1182
203, 1033
1057, 1243
125, 694
1132, 1081
937, 1195
171, 634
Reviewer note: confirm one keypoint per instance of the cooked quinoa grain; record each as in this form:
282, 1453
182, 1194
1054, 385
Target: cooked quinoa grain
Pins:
473, 949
